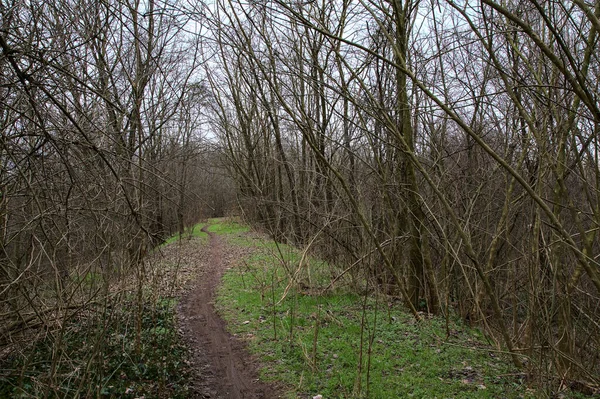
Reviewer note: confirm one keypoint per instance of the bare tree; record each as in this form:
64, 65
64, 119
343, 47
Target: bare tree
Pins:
456, 140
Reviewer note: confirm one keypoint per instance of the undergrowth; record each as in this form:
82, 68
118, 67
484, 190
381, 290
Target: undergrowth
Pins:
97, 357
340, 344
97, 353
194, 231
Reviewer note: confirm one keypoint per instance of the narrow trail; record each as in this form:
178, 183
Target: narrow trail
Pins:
225, 369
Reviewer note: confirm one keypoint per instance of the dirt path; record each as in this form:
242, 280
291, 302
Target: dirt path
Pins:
225, 370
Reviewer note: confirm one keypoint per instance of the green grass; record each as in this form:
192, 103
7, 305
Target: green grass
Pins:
194, 231
226, 226
312, 342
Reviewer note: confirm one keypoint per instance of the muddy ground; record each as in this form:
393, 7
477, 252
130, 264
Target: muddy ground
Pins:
221, 365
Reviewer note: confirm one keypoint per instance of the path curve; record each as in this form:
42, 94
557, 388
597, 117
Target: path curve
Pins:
226, 370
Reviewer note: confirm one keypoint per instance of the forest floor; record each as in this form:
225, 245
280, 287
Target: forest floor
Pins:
228, 313
252, 332
222, 366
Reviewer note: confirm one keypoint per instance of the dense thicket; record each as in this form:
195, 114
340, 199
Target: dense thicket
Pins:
449, 149
104, 153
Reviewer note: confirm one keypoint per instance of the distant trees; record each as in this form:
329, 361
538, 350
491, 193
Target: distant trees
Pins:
457, 141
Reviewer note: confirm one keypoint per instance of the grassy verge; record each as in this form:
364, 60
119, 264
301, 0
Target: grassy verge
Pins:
227, 226
342, 345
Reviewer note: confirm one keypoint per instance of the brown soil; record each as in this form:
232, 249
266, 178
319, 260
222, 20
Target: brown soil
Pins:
223, 367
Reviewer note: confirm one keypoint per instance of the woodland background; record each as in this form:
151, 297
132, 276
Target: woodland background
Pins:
449, 148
